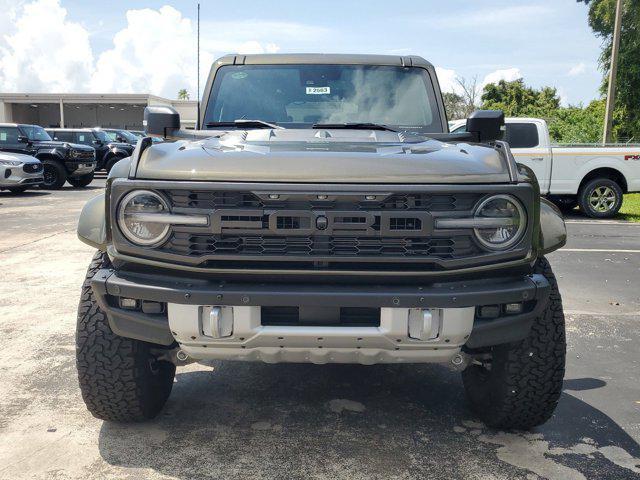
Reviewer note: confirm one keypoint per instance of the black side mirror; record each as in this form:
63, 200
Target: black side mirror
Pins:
486, 125
161, 120
23, 139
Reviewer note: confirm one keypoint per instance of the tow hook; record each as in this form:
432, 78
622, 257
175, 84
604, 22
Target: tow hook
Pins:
460, 361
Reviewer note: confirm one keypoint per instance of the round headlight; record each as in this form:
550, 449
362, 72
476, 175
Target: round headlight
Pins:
135, 222
505, 222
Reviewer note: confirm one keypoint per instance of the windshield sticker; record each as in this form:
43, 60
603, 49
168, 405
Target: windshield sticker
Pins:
239, 75
318, 90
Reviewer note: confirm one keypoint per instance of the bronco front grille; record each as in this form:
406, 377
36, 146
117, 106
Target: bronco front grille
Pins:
316, 228
314, 246
207, 199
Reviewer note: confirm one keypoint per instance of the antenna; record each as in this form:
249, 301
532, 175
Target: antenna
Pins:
198, 71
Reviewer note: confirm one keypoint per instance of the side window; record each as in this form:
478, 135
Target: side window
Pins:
522, 135
63, 136
460, 129
8, 135
84, 137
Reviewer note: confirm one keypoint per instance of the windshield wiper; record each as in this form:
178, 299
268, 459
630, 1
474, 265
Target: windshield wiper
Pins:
242, 123
354, 126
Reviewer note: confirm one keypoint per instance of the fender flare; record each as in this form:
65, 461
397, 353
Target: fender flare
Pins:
92, 228
553, 231
51, 153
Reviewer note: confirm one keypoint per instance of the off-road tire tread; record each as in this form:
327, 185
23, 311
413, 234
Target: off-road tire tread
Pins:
113, 372
81, 181
525, 383
62, 175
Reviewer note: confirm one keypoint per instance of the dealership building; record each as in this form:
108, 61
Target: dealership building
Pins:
77, 110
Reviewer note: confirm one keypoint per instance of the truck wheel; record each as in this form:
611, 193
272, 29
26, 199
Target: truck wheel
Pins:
81, 181
600, 198
54, 175
519, 386
120, 378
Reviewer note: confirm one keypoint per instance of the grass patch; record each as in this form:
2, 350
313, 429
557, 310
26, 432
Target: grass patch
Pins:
630, 208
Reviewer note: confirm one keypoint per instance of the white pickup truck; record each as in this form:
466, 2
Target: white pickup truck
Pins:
593, 177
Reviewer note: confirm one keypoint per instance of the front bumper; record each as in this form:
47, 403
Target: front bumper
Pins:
251, 340
77, 169
15, 177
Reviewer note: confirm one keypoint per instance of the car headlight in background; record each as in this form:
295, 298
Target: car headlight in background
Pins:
141, 218
500, 222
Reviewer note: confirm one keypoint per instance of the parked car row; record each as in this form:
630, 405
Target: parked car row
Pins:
32, 156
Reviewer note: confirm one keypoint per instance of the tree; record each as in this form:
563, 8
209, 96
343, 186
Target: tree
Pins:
601, 21
516, 99
183, 94
462, 104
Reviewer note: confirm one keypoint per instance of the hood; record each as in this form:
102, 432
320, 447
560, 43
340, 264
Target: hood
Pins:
58, 144
322, 156
18, 157
125, 146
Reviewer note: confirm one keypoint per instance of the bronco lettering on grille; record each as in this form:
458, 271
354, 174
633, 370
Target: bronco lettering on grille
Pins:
304, 222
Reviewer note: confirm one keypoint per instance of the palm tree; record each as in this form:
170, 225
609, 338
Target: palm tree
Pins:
183, 94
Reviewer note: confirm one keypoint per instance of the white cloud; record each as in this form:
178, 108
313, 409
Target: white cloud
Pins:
44, 51
447, 80
578, 69
507, 74
41, 50
486, 17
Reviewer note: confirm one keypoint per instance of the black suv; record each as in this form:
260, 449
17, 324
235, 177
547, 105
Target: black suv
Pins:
62, 161
107, 151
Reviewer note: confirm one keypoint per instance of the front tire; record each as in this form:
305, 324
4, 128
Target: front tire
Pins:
111, 162
81, 181
520, 385
54, 175
600, 198
120, 378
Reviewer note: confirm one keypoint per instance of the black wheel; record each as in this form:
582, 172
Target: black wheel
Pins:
519, 385
54, 175
111, 162
120, 378
18, 189
600, 198
81, 181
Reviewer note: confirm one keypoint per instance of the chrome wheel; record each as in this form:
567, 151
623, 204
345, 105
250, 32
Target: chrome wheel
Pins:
602, 199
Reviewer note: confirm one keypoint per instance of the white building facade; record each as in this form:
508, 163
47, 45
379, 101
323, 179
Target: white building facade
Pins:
86, 110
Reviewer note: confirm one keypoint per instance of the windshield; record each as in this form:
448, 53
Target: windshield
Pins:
128, 136
35, 133
304, 95
100, 135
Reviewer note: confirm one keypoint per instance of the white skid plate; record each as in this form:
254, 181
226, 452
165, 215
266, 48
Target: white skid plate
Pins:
442, 334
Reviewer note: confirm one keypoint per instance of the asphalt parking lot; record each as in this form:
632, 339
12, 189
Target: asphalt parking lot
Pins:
234, 420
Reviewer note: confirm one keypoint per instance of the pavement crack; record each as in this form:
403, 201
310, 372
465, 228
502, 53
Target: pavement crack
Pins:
36, 240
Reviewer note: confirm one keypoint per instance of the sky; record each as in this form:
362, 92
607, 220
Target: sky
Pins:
149, 47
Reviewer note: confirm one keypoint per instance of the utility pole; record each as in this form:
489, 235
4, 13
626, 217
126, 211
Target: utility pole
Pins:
611, 90
198, 72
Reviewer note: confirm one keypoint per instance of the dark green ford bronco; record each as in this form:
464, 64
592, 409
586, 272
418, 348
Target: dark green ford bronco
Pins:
322, 213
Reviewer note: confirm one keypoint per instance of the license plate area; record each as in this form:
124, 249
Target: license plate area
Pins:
307, 316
